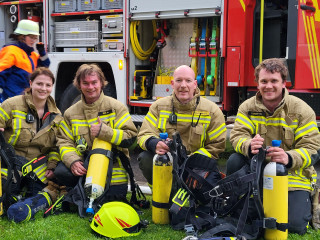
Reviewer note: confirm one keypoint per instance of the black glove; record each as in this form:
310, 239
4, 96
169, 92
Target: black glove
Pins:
40, 48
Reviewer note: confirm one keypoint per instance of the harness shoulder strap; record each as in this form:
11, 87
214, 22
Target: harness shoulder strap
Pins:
8, 159
135, 189
240, 228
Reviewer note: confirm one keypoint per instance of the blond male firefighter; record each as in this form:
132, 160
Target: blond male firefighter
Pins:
274, 114
199, 121
95, 116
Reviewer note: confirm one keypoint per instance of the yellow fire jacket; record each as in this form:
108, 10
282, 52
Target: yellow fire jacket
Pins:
117, 128
207, 137
27, 141
293, 122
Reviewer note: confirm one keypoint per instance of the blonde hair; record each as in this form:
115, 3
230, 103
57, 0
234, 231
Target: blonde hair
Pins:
86, 70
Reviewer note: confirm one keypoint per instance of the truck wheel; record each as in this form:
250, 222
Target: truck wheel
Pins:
72, 95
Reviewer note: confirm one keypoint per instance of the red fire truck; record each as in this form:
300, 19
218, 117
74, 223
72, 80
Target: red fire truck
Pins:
138, 44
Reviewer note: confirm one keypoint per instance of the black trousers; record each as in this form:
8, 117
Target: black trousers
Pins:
299, 202
65, 177
145, 160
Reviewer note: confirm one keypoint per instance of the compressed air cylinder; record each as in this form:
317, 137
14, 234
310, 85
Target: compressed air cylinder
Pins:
97, 173
275, 196
161, 186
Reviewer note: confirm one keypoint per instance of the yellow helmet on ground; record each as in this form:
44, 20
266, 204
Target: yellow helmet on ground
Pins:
26, 27
116, 219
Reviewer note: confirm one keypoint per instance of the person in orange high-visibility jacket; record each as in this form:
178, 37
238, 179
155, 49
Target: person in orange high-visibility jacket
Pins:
18, 59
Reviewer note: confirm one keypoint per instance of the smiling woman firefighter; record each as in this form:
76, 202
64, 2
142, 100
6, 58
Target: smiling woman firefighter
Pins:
29, 123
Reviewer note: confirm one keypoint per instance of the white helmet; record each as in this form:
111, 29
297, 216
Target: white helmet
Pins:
26, 27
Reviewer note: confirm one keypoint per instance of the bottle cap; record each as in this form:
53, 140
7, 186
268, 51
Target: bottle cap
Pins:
276, 143
90, 211
164, 135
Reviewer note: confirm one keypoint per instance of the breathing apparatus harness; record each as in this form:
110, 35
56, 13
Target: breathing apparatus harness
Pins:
8, 160
217, 204
78, 197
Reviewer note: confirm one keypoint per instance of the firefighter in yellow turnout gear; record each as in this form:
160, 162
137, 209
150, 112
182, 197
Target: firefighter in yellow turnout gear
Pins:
95, 116
274, 114
199, 121
30, 123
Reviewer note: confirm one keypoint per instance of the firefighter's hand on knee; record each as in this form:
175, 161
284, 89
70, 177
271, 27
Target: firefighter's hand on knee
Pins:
256, 144
49, 174
96, 128
278, 155
162, 148
2, 129
77, 169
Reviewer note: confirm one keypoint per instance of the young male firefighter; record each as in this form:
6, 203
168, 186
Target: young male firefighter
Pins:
274, 114
199, 121
18, 59
95, 116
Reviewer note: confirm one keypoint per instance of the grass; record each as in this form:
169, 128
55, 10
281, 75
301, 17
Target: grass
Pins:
67, 226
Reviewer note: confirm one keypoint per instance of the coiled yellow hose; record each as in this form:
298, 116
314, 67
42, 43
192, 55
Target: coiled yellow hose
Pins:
136, 47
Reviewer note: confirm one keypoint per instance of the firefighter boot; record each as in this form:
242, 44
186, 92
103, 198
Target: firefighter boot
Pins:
26, 209
53, 190
63, 191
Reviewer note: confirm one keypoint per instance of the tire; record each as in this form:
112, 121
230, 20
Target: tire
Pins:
72, 95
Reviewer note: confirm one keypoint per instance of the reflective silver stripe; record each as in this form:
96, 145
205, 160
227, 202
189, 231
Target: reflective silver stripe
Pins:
4, 115
65, 150
311, 126
66, 129
122, 120
239, 145
242, 119
151, 119
117, 136
218, 131
4, 171
16, 131
305, 156
203, 151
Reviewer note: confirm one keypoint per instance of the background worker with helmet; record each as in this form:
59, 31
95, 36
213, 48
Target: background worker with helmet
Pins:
274, 114
199, 121
18, 59
30, 123
95, 116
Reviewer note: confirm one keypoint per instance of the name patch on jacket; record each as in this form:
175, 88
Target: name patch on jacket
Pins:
203, 113
104, 113
258, 114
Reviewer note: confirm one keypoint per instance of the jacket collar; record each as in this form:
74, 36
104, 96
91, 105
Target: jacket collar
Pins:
190, 105
24, 47
92, 105
52, 108
259, 104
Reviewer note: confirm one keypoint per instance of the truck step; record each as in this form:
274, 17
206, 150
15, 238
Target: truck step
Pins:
137, 118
